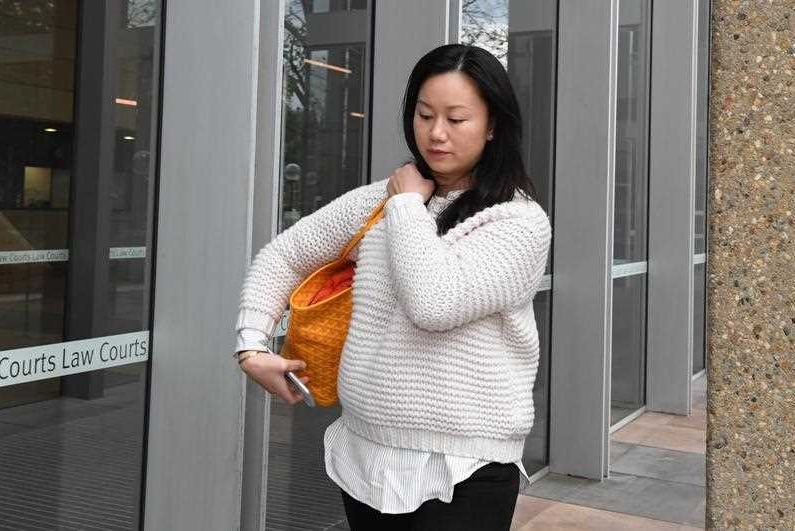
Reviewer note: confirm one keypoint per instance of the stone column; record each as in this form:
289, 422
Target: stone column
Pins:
751, 292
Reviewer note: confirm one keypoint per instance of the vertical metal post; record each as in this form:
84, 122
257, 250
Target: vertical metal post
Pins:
583, 249
672, 172
196, 413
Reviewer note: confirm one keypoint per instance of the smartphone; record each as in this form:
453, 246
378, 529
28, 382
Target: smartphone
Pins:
303, 389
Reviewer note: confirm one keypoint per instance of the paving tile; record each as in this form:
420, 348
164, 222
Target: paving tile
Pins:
618, 448
637, 495
658, 477
556, 486
664, 436
566, 516
654, 418
697, 420
661, 463
648, 497
699, 515
527, 508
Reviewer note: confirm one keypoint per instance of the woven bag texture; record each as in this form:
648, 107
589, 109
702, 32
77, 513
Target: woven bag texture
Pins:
316, 333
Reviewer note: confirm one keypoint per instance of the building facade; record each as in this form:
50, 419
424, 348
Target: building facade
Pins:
151, 148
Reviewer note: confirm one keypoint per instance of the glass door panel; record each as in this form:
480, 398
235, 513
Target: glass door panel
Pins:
523, 35
326, 66
78, 109
702, 176
628, 363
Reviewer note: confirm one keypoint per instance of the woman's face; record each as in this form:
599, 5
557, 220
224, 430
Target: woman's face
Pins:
451, 127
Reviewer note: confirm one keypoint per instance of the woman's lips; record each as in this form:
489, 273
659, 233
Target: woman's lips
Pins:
437, 154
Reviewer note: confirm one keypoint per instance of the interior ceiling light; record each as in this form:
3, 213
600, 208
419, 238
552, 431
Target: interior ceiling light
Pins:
128, 103
330, 67
357, 114
50, 130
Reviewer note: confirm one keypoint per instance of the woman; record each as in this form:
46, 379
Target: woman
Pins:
438, 367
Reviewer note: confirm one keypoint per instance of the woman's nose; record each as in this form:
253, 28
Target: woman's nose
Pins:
438, 131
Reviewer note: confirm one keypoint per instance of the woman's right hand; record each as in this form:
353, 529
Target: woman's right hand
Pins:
268, 370
408, 178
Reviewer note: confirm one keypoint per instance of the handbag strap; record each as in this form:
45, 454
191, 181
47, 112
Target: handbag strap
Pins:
374, 218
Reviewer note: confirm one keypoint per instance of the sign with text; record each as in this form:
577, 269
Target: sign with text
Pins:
33, 256
72, 357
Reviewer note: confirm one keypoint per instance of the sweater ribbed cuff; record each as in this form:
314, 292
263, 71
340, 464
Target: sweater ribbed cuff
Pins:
407, 206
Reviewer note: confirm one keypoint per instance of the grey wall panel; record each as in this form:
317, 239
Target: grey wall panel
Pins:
583, 249
671, 205
203, 244
404, 32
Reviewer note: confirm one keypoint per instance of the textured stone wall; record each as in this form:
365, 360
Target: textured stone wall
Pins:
751, 267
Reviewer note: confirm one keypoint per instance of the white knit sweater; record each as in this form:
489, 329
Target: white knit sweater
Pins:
442, 349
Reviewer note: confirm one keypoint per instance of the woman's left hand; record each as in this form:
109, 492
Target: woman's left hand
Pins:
408, 179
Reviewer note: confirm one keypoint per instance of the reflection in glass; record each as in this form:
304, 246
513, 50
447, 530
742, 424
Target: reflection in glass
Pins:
484, 23
628, 364
77, 187
699, 307
632, 133
523, 35
323, 113
702, 117
702, 176
323, 128
536, 446
630, 208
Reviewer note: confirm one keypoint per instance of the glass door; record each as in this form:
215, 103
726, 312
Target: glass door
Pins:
523, 35
78, 121
630, 231
323, 155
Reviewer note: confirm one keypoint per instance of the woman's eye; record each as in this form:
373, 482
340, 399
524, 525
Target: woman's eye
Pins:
453, 120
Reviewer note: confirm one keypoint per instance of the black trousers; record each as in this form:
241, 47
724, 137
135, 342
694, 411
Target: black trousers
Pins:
483, 502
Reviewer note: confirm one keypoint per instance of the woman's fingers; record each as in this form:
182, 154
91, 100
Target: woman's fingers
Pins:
295, 395
269, 373
407, 178
294, 365
291, 395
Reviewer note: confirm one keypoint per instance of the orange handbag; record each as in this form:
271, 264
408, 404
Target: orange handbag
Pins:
320, 311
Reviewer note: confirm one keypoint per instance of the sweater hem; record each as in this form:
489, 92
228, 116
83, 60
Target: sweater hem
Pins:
499, 450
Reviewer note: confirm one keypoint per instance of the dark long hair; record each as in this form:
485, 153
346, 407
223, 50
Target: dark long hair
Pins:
500, 170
